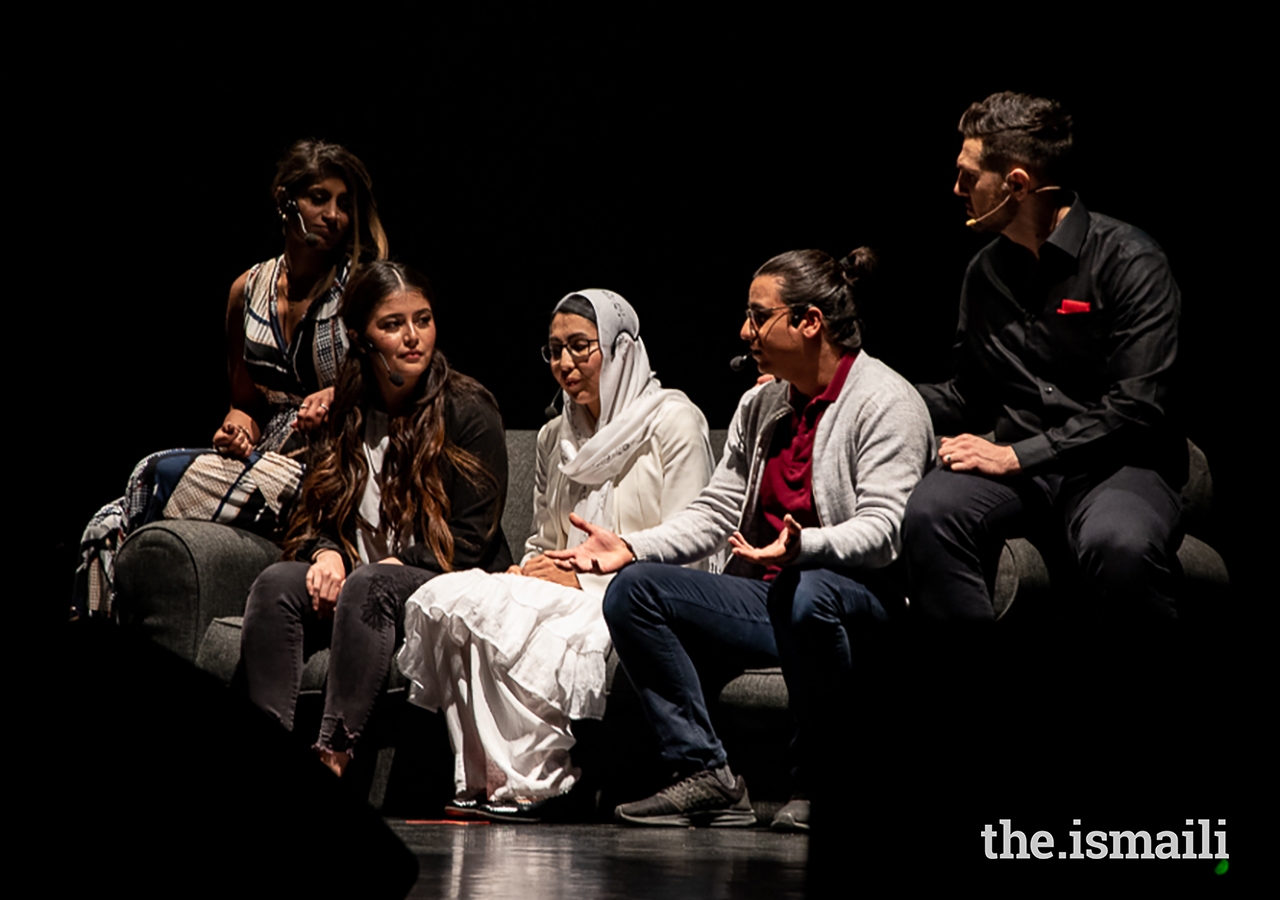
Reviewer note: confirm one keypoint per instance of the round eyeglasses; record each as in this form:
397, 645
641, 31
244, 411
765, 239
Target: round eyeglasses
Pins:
580, 350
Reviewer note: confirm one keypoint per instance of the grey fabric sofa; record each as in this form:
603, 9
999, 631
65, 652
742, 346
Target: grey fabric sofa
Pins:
184, 585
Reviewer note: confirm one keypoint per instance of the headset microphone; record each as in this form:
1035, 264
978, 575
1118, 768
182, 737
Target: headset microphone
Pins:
991, 212
551, 412
1008, 194
312, 240
394, 377
739, 362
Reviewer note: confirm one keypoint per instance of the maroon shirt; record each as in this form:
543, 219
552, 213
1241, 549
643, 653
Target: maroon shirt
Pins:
786, 485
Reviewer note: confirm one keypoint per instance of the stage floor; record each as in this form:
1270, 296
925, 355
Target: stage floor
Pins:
552, 861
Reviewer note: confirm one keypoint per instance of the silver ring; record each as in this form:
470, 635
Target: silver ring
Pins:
324, 406
947, 458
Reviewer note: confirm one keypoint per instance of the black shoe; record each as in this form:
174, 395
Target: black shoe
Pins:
516, 812
700, 799
794, 817
464, 808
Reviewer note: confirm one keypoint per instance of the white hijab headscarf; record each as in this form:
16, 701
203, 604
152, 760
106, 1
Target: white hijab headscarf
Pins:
592, 454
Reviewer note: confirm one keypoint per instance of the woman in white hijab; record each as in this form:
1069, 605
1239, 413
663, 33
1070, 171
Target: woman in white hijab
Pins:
512, 658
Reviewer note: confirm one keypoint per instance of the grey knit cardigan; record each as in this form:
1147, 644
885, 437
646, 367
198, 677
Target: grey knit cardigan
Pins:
872, 447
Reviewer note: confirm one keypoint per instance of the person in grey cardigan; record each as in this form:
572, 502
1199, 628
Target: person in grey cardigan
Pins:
810, 494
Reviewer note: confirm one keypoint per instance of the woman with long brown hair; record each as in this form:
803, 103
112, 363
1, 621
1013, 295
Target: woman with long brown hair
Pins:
285, 345
407, 482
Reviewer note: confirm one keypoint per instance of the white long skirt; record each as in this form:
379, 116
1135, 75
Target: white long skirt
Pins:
510, 660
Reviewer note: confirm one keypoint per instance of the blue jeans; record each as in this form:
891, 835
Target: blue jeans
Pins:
676, 628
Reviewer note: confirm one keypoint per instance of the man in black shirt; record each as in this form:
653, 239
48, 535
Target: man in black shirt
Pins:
1067, 338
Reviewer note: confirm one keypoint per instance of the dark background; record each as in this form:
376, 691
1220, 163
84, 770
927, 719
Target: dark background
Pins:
516, 160
514, 163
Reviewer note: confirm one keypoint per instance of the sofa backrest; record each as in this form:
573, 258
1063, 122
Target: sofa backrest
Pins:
517, 516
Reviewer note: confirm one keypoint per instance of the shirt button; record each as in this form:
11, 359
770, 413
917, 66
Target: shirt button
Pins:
1048, 390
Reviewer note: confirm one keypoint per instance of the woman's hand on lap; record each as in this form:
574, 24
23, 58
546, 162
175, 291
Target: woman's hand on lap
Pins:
238, 435
233, 440
545, 569
324, 581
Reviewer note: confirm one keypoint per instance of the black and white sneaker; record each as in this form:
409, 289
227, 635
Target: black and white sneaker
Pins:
700, 799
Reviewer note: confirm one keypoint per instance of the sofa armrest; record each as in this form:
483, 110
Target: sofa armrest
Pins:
172, 578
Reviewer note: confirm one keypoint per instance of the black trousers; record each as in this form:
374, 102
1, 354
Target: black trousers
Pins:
281, 630
1109, 538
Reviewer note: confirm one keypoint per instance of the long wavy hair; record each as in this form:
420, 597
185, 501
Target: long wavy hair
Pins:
415, 498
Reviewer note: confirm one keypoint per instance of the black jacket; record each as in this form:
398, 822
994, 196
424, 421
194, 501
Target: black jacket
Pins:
472, 423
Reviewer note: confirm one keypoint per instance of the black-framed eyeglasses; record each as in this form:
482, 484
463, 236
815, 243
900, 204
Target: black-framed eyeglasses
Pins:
580, 350
759, 316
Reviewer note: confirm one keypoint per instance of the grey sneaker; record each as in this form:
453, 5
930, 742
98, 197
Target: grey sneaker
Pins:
697, 800
794, 817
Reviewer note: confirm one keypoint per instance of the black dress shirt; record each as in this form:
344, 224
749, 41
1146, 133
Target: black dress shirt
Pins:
1069, 358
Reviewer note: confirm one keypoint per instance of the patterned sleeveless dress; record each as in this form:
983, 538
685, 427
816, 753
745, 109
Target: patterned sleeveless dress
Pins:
201, 484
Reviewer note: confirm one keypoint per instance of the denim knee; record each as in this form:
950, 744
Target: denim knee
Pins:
275, 589
804, 599
370, 593
623, 597
816, 599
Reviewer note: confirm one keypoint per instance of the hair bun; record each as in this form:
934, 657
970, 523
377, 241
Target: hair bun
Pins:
858, 262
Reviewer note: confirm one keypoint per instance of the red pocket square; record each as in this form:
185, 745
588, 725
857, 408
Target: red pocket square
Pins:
1069, 307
